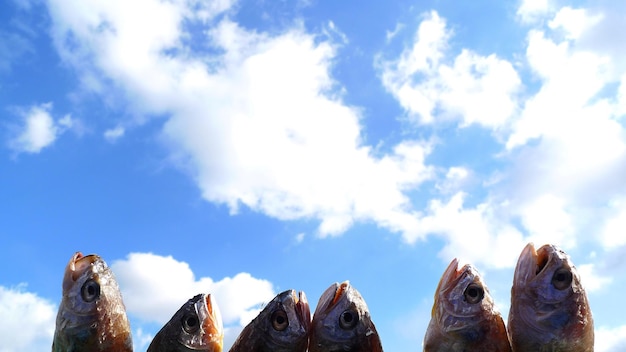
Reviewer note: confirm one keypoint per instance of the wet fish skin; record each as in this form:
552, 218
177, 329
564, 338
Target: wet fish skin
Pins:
91, 315
464, 317
282, 326
196, 326
342, 322
549, 306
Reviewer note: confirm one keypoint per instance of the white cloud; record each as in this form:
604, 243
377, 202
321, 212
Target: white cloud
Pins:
591, 279
113, 134
141, 339
610, 339
531, 11
261, 125
17, 307
456, 177
475, 234
39, 129
547, 221
259, 121
574, 21
568, 143
474, 89
612, 233
392, 34
154, 287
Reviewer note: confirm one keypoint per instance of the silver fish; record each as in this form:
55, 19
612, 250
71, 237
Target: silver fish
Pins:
91, 316
464, 317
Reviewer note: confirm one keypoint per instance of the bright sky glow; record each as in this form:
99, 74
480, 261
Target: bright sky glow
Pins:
242, 148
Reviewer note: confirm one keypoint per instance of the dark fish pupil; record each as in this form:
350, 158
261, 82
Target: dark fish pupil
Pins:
473, 292
562, 279
280, 319
90, 291
191, 322
347, 317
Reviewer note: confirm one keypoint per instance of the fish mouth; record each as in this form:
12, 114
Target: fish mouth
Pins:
77, 265
532, 262
213, 326
331, 296
542, 257
449, 275
302, 309
340, 292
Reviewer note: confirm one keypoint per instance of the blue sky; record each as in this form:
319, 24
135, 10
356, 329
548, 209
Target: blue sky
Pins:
243, 148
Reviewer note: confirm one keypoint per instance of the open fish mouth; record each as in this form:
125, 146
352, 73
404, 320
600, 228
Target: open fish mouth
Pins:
542, 256
339, 292
533, 262
302, 309
213, 326
77, 265
331, 296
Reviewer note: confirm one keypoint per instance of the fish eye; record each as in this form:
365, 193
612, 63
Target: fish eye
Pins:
279, 320
191, 323
348, 319
90, 290
562, 279
474, 293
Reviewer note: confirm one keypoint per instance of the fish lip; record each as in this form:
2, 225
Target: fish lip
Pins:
213, 327
332, 295
303, 310
450, 274
527, 265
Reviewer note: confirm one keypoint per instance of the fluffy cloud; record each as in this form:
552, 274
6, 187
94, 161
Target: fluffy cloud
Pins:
154, 287
533, 10
568, 145
39, 129
143, 274
17, 306
474, 89
113, 134
258, 120
610, 339
473, 234
563, 141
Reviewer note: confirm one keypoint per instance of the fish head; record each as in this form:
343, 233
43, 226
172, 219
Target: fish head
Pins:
548, 301
286, 321
546, 274
464, 316
88, 284
342, 322
461, 298
200, 324
283, 325
92, 313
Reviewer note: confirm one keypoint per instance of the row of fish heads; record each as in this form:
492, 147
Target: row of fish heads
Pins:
341, 322
549, 312
92, 317
549, 308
